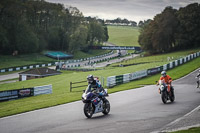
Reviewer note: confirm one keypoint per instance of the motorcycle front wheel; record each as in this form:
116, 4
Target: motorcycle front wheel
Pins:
106, 107
172, 96
164, 97
88, 110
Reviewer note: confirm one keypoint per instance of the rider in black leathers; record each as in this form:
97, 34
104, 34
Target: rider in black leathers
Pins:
95, 84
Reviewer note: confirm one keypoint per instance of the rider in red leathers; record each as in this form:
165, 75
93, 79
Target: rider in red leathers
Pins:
167, 80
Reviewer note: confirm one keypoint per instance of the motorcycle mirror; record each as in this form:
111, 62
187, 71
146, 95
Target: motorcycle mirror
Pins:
156, 81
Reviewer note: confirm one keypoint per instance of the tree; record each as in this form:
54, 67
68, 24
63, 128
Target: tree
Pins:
106, 33
78, 38
144, 38
26, 40
145, 22
163, 39
96, 33
4, 43
189, 29
158, 35
34, 25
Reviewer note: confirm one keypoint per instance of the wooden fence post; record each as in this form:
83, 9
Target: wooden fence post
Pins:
76, 86
70, 86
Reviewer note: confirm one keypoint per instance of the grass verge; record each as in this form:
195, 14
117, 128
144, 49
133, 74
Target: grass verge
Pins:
20, 60
191, 130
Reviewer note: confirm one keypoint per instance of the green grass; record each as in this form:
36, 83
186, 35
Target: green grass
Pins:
7, 61
123, 35
91, 53
156, 60
21, 60
9, 80
5, 73
61, 84
191, 130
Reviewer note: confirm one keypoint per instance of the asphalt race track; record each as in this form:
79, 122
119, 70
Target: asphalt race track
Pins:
134, 111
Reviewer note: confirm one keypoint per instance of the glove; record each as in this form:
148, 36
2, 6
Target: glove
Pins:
100, 94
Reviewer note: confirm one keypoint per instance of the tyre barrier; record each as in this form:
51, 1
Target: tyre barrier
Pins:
26, 67
120, 79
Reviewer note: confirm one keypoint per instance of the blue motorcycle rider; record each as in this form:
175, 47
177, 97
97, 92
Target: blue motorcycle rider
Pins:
96, 85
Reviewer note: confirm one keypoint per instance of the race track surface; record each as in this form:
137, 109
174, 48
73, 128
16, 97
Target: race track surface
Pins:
134, 111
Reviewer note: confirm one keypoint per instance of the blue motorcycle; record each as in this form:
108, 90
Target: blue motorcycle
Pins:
95, 102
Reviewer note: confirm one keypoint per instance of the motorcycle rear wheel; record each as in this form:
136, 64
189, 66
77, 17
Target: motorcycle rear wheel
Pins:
88, 110
106, 106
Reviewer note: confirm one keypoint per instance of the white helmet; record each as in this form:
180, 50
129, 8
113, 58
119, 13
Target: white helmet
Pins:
163, 73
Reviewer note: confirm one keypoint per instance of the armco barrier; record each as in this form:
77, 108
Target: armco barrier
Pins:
15, 94
138, 75
39, 90
8, 95
153, 71
25, 67
25, 92
126, 78
111, 81
116, 80
119, 79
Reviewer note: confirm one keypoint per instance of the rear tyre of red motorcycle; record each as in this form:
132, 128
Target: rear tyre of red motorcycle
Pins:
88, 110
106, 106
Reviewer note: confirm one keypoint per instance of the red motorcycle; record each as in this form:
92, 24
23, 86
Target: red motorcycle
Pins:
165, 94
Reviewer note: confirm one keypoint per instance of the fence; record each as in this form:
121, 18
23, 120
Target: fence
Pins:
25, 92
71, 83
120, 79
79, 86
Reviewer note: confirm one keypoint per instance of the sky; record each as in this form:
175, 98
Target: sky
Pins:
134, 10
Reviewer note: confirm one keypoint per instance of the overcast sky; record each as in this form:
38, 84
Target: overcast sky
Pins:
135, 10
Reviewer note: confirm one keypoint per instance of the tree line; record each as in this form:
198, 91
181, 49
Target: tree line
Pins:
172, 30
29, 26
119, 21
